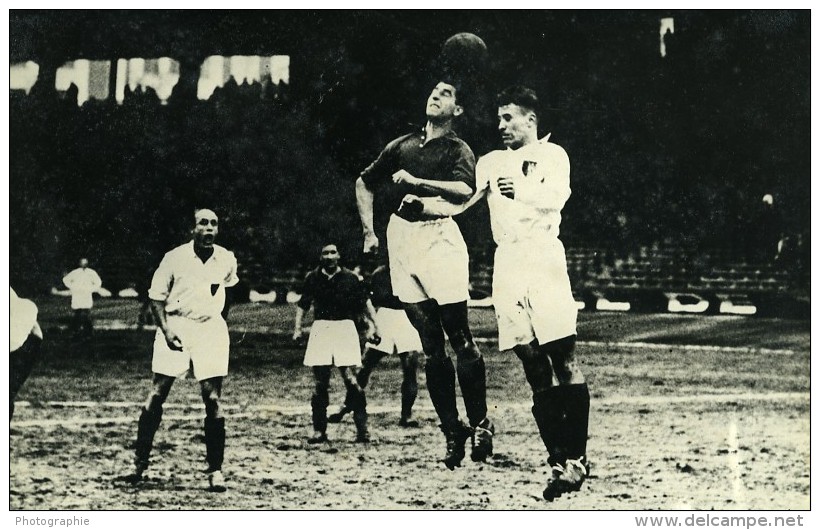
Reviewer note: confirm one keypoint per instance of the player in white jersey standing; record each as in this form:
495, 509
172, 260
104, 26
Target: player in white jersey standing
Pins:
188, 300
526, 186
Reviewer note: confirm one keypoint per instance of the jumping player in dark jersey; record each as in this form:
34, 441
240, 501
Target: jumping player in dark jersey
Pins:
429, 262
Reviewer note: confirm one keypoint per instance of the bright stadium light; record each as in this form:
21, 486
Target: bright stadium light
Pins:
161, 75
22, 76
667, 25
217, 70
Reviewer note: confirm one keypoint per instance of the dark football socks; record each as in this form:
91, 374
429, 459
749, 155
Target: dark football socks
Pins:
409, 391
146, 428
472, 378
214, 443
318, 407
576, 412
441, 384
548, 418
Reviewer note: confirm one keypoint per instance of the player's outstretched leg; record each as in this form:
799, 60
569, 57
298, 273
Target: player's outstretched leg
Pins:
441, 378
472, 378
409, 387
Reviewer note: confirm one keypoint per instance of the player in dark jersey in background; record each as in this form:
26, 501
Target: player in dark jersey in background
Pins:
398, 336
339, 299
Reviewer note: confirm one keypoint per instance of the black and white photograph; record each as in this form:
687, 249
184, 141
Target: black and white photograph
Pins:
462, 259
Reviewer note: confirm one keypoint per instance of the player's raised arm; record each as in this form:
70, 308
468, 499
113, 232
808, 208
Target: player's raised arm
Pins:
455, 191
438, 207
435, 206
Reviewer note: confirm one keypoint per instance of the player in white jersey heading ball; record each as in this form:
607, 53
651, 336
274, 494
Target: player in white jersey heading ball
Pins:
526, 186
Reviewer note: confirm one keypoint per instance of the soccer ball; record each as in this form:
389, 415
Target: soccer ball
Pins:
464, 52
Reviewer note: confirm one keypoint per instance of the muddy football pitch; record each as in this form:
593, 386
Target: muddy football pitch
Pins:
689, 412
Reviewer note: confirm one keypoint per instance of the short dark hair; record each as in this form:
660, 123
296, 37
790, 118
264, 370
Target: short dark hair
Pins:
524, 97
461, 84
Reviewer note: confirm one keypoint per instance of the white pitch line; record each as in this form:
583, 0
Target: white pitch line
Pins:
702, 398
660, 330
241, 411
691, 347
120, 325
734, 464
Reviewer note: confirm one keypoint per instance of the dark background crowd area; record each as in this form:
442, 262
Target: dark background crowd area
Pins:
670, 155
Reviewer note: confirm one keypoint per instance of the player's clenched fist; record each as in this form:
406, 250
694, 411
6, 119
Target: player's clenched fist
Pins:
402, 176
372, 335
506, 187
371, 243
173, 340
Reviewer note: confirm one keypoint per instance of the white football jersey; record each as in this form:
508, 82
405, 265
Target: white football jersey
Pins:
540, 173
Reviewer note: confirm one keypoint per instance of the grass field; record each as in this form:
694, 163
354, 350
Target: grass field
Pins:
688, 412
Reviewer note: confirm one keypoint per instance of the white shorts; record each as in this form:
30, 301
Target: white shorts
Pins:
532, 294
428, 260
397, 333
333, 342
205, 346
